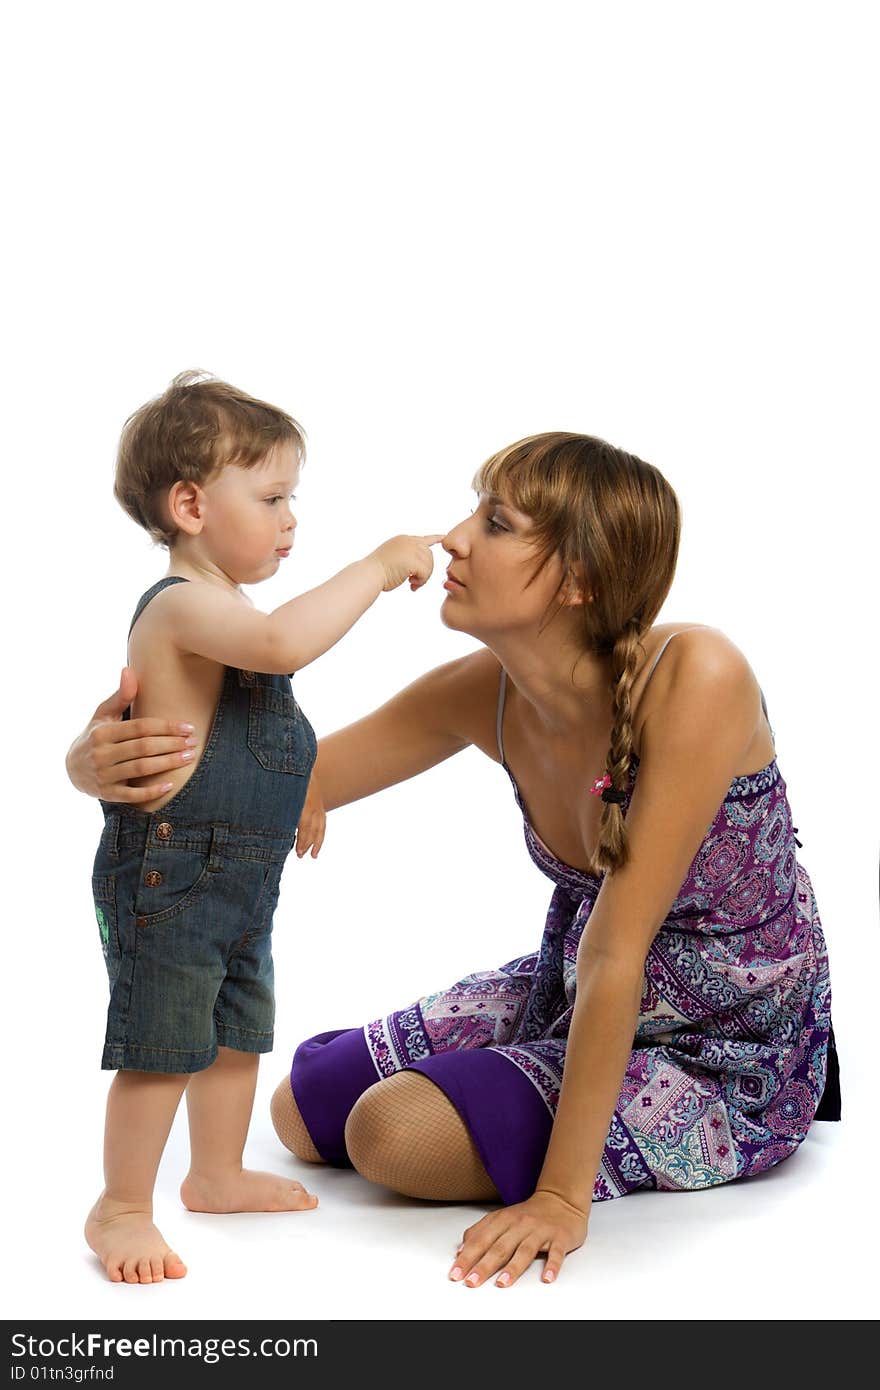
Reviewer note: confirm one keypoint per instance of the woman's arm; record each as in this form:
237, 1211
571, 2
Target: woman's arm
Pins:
437, 715
692, 746
110, 749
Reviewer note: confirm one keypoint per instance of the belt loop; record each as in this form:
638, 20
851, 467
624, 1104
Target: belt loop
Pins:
219, 832
112, 834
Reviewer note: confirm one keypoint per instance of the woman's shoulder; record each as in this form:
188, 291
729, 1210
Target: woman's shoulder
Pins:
701, 663
695, 645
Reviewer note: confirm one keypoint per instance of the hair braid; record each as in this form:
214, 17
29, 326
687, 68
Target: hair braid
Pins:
613, 521
612, 851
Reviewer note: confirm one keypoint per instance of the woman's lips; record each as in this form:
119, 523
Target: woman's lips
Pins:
452, 585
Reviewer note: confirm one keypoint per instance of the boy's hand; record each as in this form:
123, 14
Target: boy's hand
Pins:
406, 557
312, 822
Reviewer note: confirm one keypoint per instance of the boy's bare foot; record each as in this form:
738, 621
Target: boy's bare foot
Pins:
245, 1190
128, 1245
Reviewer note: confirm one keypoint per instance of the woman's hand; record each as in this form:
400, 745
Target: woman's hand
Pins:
506, 1241
312, 822
111, 750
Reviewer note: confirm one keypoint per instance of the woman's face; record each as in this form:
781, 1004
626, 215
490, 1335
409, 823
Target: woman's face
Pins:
493, 556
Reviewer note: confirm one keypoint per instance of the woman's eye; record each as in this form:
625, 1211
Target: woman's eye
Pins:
493, 524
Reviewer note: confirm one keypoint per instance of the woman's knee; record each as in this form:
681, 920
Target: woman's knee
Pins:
378, 1129
290, 1125
404, 1133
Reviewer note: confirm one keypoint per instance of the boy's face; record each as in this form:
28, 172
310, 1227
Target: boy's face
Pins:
248, 523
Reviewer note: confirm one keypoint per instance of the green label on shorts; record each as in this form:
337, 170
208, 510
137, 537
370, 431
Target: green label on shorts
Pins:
102, 924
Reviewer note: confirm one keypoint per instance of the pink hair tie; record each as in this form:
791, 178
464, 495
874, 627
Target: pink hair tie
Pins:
602, 787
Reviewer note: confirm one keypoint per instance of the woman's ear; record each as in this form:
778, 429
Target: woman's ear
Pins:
576, 591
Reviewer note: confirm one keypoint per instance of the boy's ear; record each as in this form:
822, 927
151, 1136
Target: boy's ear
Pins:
185, 503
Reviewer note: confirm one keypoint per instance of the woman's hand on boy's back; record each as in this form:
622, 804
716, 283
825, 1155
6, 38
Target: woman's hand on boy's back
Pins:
110, 750
406, 557
312, 822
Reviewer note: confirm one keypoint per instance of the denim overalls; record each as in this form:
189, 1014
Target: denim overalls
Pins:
184, 895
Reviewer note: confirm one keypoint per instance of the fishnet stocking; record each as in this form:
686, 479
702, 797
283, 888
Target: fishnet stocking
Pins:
290, 1126
404, 1133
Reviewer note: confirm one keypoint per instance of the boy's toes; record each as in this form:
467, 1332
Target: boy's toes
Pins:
114, 1271
174, 1266
130, 1272
157, 1268
145, 1272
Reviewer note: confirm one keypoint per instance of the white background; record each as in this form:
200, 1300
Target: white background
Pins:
427, 230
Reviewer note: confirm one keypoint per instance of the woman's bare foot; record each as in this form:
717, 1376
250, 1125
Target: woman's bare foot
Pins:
128, 1245
245, 1190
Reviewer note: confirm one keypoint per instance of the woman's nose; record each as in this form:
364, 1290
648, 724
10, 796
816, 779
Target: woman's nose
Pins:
455, 540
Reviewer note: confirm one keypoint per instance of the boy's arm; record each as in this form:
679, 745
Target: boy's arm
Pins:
214, 623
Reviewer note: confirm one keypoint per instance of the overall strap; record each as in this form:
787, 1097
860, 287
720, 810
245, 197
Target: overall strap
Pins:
142, 603
151, 594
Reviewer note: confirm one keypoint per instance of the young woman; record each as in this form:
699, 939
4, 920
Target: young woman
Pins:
672, 1030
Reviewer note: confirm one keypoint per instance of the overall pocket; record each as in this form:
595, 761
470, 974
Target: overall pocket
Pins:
279, 735
174, 879
104, 899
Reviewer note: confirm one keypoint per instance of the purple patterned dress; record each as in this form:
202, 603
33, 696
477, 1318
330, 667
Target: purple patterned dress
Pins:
733, 1042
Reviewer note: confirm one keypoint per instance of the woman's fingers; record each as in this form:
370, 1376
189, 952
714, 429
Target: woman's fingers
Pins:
112, 707
553, 1265
506, 1242
132, 730
114, 762
477, 1240
519, 1263
499, 1254
141, 757
132, 796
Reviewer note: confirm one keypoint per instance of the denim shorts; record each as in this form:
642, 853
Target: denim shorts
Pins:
184, 912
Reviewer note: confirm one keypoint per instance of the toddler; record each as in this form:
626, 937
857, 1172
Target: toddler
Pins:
185, 885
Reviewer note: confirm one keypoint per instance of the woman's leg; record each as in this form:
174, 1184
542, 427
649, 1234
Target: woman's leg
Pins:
404, 1133
289, 1124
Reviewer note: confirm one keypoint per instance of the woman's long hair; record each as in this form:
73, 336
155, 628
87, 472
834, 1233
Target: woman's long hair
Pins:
615, 523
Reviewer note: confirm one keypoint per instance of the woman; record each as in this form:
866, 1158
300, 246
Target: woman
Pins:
672, 1031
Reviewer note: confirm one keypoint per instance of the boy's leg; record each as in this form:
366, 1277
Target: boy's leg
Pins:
219, 1103
119, 1228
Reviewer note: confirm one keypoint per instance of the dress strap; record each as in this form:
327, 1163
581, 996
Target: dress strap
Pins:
502, 692
659, 654
663, 649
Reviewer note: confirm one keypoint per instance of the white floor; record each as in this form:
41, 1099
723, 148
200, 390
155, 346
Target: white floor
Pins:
797, 1242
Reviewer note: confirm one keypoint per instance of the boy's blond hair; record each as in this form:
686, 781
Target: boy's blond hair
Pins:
195, 428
